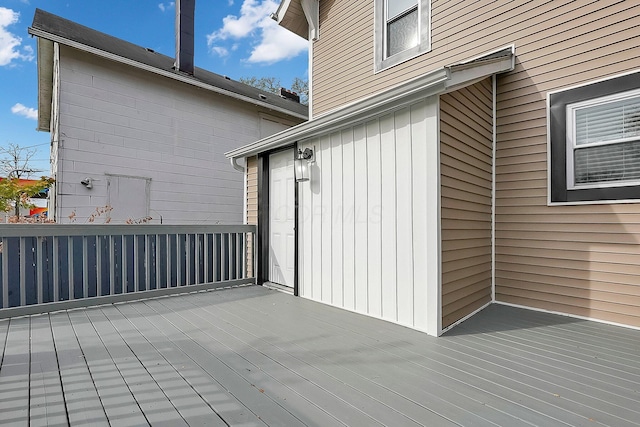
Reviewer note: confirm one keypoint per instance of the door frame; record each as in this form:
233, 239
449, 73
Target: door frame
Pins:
262, 238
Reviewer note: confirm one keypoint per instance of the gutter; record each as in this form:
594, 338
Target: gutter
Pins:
438, 81
179, 77
357, 111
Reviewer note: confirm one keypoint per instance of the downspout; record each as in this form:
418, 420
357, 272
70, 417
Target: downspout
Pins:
236, 166
493, 191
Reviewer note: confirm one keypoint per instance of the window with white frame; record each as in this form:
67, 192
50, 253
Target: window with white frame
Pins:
402, 31
594, 135
603, 141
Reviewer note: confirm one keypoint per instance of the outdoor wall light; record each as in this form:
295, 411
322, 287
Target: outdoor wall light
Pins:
87, 182
302, 164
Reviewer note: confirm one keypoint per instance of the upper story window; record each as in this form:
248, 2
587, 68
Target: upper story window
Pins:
402, 31
594, 136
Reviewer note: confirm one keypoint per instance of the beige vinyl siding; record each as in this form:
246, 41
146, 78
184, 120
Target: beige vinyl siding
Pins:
465, 169
583, 260
252, 206
343, 66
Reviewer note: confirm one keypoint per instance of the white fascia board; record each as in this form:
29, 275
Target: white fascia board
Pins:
311, 9
174, 76
282, 10
435, 82
396, 97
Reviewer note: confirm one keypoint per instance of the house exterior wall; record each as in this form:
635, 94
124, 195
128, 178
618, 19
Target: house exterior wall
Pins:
368, 217
118, 121
54, 130
466, 159
582, 260
252, 206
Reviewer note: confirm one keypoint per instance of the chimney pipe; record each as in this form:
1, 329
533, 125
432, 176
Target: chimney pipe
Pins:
185, 14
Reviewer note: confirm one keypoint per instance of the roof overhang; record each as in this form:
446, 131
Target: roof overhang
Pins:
290, 15
45, 83
172, 75
441, 80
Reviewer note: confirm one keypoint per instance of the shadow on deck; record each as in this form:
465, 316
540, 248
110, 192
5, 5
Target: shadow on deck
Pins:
252, 356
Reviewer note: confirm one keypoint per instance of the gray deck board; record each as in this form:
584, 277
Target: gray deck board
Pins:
228, 367
194, 363
14, 375
83, 404
177, 390
570, 369
308, 348
347, 405
46, 399
251, 356
116, 397
401, 373
479, 372
152, 400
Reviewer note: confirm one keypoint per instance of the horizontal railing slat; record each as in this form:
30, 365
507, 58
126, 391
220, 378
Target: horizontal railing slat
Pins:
45, 230
46, 266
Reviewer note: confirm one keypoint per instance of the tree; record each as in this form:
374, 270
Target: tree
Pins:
273, 85
14, 165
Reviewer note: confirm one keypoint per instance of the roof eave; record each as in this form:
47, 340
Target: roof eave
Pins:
438, 81
45, 83
175, 76
290, 15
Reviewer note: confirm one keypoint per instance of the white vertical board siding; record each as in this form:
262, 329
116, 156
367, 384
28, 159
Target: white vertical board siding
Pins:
367, 219
348, 220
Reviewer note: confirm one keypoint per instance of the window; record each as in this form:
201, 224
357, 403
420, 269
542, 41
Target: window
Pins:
595, 141
402, 31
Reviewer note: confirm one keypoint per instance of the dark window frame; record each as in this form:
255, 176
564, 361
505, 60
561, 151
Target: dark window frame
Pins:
557, 110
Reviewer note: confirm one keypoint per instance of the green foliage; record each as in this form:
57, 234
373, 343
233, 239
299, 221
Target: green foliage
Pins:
15, 194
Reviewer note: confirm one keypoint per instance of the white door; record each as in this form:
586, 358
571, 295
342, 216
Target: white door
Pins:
281, 218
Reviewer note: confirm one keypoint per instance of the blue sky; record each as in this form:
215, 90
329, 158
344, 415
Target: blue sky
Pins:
232, 37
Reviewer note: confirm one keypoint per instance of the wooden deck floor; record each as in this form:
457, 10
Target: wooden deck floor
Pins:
254, 357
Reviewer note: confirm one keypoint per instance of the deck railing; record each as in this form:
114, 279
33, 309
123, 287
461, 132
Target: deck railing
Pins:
49, 267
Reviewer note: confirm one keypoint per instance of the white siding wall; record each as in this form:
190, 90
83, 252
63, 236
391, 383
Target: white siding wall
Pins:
369, 218
117, 120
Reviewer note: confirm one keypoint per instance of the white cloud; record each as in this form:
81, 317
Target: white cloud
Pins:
277, 44
272, 43
21, 110
9, 42
220, 51
230, 2
166, 6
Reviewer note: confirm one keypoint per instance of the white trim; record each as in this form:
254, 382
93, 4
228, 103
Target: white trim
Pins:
164, 73
381, 61
571, 146
398, 96
574, 316
493, 188
311, 9
433, 280
511, 46
594, 202
406, 93
468, 316
310, 80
